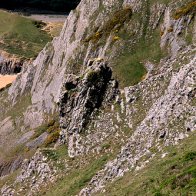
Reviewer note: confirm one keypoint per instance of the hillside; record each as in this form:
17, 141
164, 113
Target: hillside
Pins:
21, 36
106, 108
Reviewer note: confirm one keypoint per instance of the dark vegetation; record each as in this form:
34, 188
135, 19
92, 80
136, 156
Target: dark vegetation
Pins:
50, 5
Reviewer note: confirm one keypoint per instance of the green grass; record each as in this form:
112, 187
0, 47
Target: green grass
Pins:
129, 71
129, 67
57, 154
21, 36
173, 175
72, 183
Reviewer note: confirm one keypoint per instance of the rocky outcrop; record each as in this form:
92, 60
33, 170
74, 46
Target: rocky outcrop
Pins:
35, 172
81, 97
175, 28
10, 67
70, 53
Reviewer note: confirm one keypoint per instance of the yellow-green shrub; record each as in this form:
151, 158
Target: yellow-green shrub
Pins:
186, 9
116, 38
115, 22
52, 138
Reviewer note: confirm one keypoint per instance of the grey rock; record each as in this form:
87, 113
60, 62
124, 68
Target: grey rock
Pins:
79, 100
38, 141
157, 112
25, 137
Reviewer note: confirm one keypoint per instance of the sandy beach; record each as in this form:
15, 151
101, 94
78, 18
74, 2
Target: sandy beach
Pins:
6, 79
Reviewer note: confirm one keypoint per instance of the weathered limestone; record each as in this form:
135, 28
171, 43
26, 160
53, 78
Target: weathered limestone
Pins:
79, 100
73, 77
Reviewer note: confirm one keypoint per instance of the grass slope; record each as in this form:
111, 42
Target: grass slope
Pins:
173, 175
21, 36
78, 178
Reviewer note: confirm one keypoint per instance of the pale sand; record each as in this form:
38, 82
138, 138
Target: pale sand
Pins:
6, 79
48, 18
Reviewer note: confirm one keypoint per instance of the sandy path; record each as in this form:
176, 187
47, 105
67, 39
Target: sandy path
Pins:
6, 79
48, 18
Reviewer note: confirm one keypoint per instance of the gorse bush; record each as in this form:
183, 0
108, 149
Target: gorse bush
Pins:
115, 22
53, 137
53, 130
184, 10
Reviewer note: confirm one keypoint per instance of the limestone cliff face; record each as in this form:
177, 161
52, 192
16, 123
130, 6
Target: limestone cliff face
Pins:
75, 77
70, 53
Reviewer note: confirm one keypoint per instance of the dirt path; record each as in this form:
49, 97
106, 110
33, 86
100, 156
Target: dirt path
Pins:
6, 79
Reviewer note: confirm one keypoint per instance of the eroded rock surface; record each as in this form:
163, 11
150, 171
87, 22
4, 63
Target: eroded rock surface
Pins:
74, 77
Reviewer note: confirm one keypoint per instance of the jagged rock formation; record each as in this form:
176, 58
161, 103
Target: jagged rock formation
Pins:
77, 75
80, 99
9, 67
